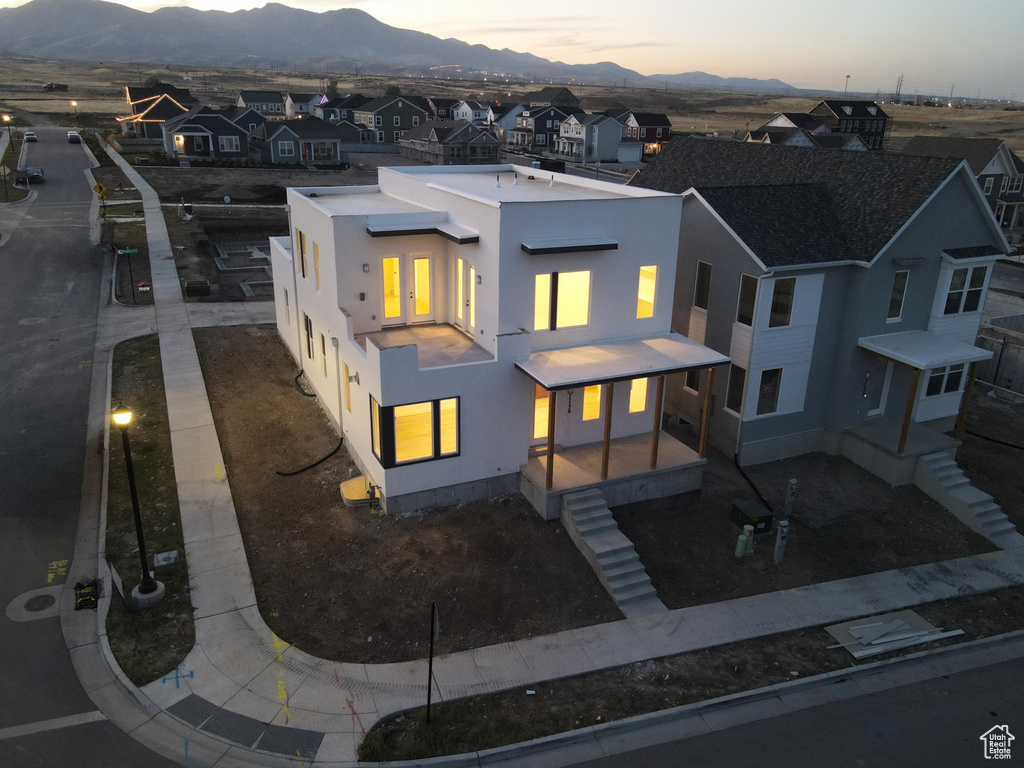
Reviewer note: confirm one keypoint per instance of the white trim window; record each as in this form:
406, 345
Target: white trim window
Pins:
988, 186
1017, 184
378, 120
734, 392
286, 149
746, 300
380, 137
1004, 184
398, 135
415, 120
782, 302
768, 392
942, 381
899, 292
702, 286
396, 120
229, 144
966, 286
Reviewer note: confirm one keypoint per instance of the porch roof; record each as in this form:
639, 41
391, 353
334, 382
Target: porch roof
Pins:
923, 350
617, 360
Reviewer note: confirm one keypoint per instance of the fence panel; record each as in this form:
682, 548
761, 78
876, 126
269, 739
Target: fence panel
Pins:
1006, 367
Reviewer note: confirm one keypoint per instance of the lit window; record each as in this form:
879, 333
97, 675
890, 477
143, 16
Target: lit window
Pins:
540, 412
392, 287
899, 290
561, 300
645, 292
316, 265
421, 278
944, 380
449, 410
414, 432
459, 289
768, 393
472, 296
323, 355
348, 389
702, 290
638, 396
782, 302
375, 427
591, 402
748, 295
734, 394
965, 288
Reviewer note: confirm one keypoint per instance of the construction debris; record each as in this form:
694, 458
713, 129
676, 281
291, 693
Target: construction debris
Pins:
880, 634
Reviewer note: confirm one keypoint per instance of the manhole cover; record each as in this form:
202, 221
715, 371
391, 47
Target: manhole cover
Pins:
39, 602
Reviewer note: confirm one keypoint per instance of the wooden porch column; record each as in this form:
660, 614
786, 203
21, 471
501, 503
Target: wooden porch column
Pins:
961, 418
658, 405
607, 444
550, 473
909, 412
705, 418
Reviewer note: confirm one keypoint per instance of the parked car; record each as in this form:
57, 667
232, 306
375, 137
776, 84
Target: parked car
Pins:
30, 136
29, 174
74, 138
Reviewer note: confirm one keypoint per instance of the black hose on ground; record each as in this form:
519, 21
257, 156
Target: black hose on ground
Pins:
318, 461
736, 461
299, 386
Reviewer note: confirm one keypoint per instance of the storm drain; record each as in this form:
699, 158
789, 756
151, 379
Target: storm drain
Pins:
234, 727
193, 709
293, 742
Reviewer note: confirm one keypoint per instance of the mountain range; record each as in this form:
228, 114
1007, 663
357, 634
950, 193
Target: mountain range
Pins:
279, 37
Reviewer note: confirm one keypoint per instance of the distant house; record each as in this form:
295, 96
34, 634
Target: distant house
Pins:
338, 108
1000, 173
864, 118
538, 129
501, 118
151, 106
801, 137
801, 120
301, 104
447, 142
310, 142
245, 117
845, 287
596, 138
651, 129
441, 109
267, 103
553, 96
471, 111
206, 133
389, 117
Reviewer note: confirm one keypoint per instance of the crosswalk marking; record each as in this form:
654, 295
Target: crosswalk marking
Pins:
51, 725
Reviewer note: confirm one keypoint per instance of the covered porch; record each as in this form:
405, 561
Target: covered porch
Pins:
628, 468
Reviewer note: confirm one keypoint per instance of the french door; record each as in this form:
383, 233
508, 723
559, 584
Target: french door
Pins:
407, 285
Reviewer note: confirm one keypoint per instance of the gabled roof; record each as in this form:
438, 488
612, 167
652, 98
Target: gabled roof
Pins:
773, 135
302, 97
377, 104
443, 103
798, 119
157, 110
977, 152
208, 121
652, 120
873, 194
836, 140
350, 101
479, 106
137, 93
843, 108
307, 128
261, 97
783, 224
449, 132
547, 95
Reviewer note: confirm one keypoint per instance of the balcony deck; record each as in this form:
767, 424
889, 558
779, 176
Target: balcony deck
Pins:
438, 344
630, 477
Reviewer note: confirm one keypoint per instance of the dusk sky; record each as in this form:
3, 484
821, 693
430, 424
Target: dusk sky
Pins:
972, 46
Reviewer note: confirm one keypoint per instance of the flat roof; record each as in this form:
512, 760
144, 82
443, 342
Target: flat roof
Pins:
357, 201
923, 350
617, 360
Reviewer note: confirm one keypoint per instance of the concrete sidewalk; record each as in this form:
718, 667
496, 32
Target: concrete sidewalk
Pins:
245, 697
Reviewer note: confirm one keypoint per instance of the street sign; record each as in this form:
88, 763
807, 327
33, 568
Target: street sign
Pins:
126, 251
101, 196
100, 190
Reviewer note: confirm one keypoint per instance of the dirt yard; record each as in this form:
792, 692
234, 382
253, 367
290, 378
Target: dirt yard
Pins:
355, 585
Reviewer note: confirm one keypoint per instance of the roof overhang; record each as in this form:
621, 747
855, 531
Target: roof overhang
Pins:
446, 229
541, 245
923, 350
619, 360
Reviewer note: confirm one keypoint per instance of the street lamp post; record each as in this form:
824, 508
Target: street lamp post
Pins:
75, 105
149, 591
10, 143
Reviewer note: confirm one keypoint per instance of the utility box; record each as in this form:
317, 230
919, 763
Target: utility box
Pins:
752, 513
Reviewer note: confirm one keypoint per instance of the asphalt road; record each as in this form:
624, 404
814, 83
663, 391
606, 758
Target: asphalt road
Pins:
49, 297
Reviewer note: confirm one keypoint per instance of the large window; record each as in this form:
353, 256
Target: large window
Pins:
944, 380
702, 290
734, 394
561, 300
540, 412
748, 295
229, 144
645, 292
899, 290
392, 287
591, 402
308, 326
403, 434
286, 148
965, 289
782, 302
638, 395
768, 392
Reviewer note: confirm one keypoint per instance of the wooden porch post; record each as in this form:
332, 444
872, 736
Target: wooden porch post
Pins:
606, 445
550, 475
958, 431
705, 419
909, 412
658, 404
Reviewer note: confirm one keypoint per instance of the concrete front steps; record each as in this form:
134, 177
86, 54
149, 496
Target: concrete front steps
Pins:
938, 475
590, 524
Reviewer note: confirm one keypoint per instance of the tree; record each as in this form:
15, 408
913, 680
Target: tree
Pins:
393, 90
152, 80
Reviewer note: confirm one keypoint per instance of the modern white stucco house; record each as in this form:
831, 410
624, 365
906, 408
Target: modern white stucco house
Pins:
466, 328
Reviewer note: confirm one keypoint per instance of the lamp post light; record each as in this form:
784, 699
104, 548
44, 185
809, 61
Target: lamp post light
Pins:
75, 105
149, 591
10, 142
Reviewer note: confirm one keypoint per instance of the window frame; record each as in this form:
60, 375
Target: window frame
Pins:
730, 391
552, 289
697, 290
233, 141
323, 355
753, 301
635, 393
967, 292
286, 149
642, 313
781, 318
385, 451
316, 267
889, 316
300, 237
942, 377
760, 392
989, 183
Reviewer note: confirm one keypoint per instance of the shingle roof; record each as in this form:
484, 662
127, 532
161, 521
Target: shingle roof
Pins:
799, 119
973, 252
783, 224
776, 135
302, 97
857, 108
833, 140
308, 128
261, 96
873, 194
138, 93
977, 152
655, 119
383, 101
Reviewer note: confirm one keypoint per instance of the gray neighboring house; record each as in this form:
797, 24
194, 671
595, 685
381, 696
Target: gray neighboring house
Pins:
206, 133
502, 118
268, 103
339, 108
1000, 173
310, 141
596, 138
450, 142
801, 137
846, 288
